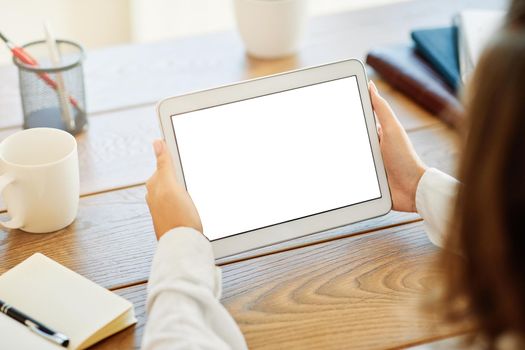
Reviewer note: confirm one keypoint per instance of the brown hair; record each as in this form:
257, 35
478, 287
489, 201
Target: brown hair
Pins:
516, 14
487, 285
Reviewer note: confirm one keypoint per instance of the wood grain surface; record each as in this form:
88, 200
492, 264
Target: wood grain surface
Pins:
360, 292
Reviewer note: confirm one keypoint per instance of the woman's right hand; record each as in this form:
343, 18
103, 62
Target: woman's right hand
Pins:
169, 203
403, 166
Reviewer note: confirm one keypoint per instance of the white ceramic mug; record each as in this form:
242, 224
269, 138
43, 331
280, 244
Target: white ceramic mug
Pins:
40, 180
271, 28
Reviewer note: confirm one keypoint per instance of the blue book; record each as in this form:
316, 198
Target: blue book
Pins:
439, 46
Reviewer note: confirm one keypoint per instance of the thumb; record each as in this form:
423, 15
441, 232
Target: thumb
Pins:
384, 113
163, 157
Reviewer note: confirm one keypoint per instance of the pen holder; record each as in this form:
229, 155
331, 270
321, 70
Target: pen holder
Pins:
53, 95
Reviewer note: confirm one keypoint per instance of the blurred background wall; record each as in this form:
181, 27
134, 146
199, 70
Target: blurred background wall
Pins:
99, 23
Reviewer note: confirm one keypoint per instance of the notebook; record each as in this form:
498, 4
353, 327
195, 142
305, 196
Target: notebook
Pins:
62, 300
475, 28
403, 68
439, 46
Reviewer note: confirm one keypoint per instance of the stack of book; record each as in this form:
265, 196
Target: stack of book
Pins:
434, 68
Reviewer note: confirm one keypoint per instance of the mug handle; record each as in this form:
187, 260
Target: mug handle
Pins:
15, 222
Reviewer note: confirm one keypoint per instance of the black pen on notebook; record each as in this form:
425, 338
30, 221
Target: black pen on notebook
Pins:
34, 325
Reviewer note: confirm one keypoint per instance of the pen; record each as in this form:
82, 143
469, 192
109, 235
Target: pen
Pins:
67, 118
34, 325
26, 58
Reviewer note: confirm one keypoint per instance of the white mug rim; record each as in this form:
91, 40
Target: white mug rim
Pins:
53, 130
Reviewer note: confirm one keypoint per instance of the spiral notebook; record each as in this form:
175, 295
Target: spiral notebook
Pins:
62, 300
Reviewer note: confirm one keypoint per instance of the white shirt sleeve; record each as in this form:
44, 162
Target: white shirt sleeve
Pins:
184, 311
435, 196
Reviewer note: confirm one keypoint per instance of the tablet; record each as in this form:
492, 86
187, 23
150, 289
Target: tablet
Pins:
276, 158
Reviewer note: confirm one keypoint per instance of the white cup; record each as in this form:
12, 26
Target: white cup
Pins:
271, 28
40, 180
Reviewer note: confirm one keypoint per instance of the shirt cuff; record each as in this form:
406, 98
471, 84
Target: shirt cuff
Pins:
435, 197
185, 254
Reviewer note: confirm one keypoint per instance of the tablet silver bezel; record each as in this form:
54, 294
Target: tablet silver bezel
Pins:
227, 246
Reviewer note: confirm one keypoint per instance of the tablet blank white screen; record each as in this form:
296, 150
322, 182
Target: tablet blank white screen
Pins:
275, 158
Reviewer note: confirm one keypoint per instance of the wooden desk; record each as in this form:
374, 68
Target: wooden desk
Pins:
354, 287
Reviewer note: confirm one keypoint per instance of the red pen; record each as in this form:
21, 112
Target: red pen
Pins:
24, 57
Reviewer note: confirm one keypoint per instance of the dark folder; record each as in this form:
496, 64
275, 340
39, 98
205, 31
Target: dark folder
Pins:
439, 46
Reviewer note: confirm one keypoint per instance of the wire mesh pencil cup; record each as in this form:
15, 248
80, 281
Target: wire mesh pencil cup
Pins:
53, 96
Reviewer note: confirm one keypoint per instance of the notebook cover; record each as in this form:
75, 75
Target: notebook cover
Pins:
439, 46
405, 70
61, 299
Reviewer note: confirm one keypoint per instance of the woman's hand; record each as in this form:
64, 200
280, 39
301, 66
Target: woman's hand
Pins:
169, 203
403, 166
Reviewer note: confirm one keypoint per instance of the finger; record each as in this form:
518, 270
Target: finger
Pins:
378, 128
151, 182
163, 157
372, 86
383, 111
378, 124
